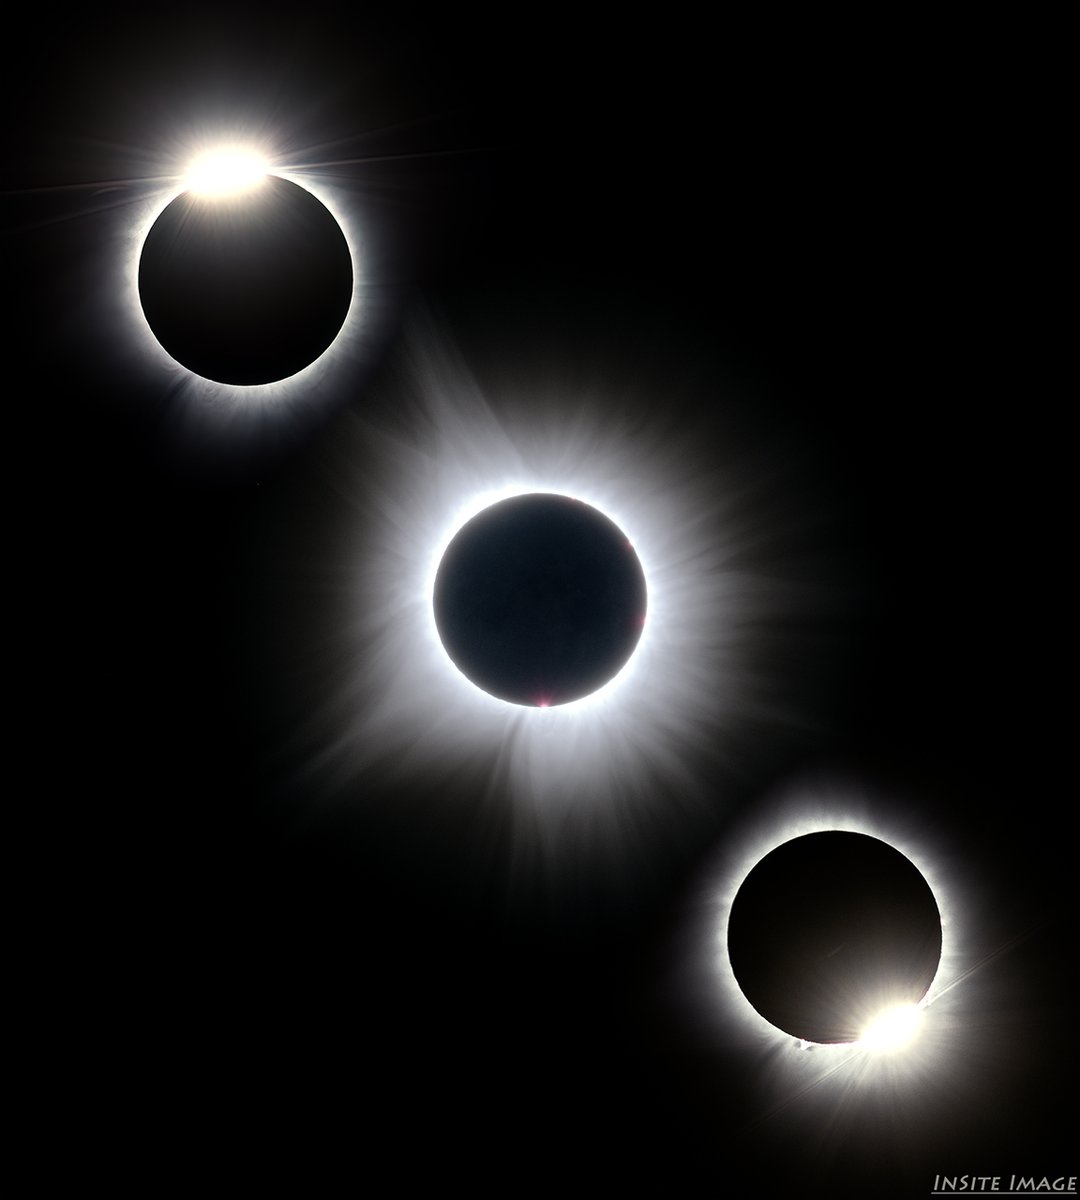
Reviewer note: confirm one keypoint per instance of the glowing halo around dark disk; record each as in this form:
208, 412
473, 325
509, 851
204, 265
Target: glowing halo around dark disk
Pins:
829, 931
210, 408
917, 1058
814, 809
245, 279
540, 600
606, 777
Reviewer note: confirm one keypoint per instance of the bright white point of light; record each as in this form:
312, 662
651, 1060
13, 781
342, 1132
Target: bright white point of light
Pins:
892, 1030
227, 171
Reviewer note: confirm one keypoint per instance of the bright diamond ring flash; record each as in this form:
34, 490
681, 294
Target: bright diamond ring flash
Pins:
226, 172
892, 1029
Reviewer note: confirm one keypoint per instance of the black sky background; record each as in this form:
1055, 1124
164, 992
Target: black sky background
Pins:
848, 221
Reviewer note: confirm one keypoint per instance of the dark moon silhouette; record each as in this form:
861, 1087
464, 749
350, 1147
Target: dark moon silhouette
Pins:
540, 600
247, 288
829, 930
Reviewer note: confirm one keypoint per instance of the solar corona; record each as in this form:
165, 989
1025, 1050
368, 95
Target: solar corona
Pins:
829, 932
237, 286
535, 537
841, 943
548, 598
540, 600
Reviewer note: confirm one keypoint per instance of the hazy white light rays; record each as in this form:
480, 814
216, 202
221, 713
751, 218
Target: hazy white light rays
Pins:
253, 402
608, 777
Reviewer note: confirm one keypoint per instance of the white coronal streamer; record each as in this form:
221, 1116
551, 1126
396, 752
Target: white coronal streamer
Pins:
606, 773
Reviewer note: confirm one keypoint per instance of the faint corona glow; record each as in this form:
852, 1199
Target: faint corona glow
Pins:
604, 779
892, 1030
226, 171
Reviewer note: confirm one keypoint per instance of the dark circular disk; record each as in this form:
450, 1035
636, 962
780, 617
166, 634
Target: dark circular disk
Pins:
540, 600
829, 930
247, 288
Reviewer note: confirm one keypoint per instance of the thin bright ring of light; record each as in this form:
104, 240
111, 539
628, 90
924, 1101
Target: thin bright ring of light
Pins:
219, 165
814, 809
942, 1046
430, 582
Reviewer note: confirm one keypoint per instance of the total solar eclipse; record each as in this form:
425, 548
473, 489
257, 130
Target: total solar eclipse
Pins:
246, 285
831, 930
540, 600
